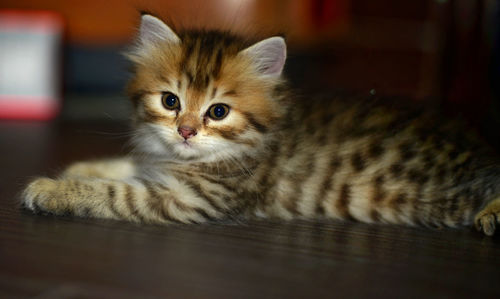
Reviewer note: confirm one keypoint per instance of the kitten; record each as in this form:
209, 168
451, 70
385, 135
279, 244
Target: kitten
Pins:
219, 136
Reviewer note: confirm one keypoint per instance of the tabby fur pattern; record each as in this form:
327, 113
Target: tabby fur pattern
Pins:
272, 154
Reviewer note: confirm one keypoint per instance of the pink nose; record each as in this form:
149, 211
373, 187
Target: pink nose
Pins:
186, 132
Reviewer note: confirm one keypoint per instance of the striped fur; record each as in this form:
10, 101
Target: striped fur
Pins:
275, 155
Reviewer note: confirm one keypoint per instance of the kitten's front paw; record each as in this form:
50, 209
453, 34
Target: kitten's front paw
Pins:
487, 219
42, 195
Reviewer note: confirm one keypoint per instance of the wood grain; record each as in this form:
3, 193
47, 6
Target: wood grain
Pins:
51, 257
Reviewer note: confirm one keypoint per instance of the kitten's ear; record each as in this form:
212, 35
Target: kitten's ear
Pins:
153, 30
269, 55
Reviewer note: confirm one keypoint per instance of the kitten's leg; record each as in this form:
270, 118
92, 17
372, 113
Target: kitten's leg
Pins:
118, 168
487, 219
133, 200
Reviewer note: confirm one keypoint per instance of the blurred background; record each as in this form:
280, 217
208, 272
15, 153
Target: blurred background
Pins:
444, 52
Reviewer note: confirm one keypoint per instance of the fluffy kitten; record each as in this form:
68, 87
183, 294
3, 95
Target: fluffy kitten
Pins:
219, 137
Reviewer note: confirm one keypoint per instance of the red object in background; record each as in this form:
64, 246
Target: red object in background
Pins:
326, 13
29, 108
30, 64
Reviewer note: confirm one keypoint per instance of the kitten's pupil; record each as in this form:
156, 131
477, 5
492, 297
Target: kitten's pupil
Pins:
170, 101
218, 111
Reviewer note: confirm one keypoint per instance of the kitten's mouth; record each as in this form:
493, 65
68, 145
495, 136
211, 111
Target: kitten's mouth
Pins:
187, 150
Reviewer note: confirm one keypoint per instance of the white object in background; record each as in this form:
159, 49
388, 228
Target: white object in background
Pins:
30, 44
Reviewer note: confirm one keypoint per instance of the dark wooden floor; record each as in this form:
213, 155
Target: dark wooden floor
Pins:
49, 257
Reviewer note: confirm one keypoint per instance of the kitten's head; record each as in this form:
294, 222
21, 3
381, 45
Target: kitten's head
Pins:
204, 95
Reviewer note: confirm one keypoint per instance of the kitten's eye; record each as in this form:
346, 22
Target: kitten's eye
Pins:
218, 111
170, 101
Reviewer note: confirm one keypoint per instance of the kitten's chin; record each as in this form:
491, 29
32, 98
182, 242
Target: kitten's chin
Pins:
194, 152
187, 151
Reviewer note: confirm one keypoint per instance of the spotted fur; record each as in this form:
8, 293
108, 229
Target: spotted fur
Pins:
275, 155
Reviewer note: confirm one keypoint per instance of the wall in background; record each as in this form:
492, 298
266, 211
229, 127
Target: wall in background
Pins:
114, 21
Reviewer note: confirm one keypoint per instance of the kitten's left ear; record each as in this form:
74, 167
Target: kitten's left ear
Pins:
153, 30
269, 55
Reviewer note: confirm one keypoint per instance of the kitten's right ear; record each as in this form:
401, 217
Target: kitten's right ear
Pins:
153, 30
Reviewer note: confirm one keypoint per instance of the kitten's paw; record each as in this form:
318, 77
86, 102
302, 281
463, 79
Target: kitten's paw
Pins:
488, 218
42, 195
